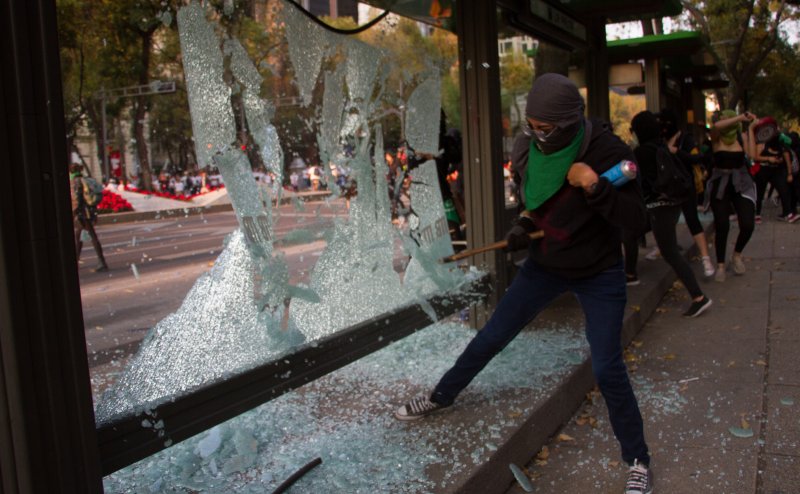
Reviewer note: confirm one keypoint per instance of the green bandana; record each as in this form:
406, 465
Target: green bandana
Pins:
74, 175
546, 172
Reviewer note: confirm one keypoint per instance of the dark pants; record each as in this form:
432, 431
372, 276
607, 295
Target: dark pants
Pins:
663, 220
81, 223
689, 209
630, 247
603, 299
775, 175
731, 201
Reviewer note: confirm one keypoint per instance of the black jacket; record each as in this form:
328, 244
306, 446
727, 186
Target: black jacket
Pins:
583, 233
648, 169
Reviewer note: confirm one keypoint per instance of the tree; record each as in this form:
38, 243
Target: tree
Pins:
108, 44
516, 75
776, 91
72, 17
410, 55
138, 21
739, 35
622, 110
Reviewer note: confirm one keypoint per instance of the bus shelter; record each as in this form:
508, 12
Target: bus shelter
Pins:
51, 440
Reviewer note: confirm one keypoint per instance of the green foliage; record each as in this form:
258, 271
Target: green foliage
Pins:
622, 109
742, 37
776, 91
110, 44
516, 76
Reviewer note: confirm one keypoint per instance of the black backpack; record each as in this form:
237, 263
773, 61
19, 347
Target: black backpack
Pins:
673, 181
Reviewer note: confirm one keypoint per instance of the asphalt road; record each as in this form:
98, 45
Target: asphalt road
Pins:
153, 264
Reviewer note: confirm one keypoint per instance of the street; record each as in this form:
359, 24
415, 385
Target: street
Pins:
153, 264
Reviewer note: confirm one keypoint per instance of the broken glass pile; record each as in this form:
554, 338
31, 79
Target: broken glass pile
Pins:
346, 419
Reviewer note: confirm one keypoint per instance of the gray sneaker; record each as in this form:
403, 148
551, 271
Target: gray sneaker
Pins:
738, 265
417, 408
640, 479
720, 274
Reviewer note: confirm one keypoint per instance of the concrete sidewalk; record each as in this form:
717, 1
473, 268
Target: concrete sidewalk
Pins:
720, 394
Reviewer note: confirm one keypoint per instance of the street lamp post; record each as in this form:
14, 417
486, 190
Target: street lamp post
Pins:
155, 87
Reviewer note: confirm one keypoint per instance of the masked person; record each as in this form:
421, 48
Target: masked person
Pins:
664, 210
560, 162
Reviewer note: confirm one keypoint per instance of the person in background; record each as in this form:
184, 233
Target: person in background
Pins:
83, 217
560, 162
664, 211
447, 161
775, 166
730, 186
794, 139
683, 146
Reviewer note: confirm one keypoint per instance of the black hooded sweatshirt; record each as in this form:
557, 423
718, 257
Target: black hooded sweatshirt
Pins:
582, 233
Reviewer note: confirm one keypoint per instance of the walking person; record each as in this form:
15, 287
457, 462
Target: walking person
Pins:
682, 144
775, 163
664, 208
83, 217
582, 215
730, 186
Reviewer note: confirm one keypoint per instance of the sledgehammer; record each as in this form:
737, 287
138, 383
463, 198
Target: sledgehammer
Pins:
618, 175
478, 250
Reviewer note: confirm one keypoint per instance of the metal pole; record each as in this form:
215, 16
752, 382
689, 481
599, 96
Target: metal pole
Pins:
104, 136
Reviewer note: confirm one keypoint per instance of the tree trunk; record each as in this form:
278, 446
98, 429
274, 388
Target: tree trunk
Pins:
140, 107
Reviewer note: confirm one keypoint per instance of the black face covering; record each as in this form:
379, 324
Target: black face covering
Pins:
554, 99
559, 138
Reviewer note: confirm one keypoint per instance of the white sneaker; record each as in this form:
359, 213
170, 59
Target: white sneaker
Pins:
708, 267
653, 254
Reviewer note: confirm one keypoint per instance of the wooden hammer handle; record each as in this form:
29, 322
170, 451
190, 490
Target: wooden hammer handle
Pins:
479, 250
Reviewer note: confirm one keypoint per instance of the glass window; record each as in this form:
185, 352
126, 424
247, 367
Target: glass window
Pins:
279, 178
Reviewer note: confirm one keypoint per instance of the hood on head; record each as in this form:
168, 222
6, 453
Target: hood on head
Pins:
646, 126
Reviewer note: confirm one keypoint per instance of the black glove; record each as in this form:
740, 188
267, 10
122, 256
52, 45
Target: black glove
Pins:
517, 237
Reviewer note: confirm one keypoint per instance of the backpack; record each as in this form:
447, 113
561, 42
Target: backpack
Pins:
673, 181
92, 191
795, 161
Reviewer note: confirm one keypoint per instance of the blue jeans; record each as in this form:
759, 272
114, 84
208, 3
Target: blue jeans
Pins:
603, 299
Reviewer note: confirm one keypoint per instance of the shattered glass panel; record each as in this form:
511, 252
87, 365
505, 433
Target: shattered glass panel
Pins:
308, 44
218, 317
212, 121
253, 305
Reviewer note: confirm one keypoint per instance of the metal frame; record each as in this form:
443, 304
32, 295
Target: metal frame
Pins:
47, 428
476, 26
125, 441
